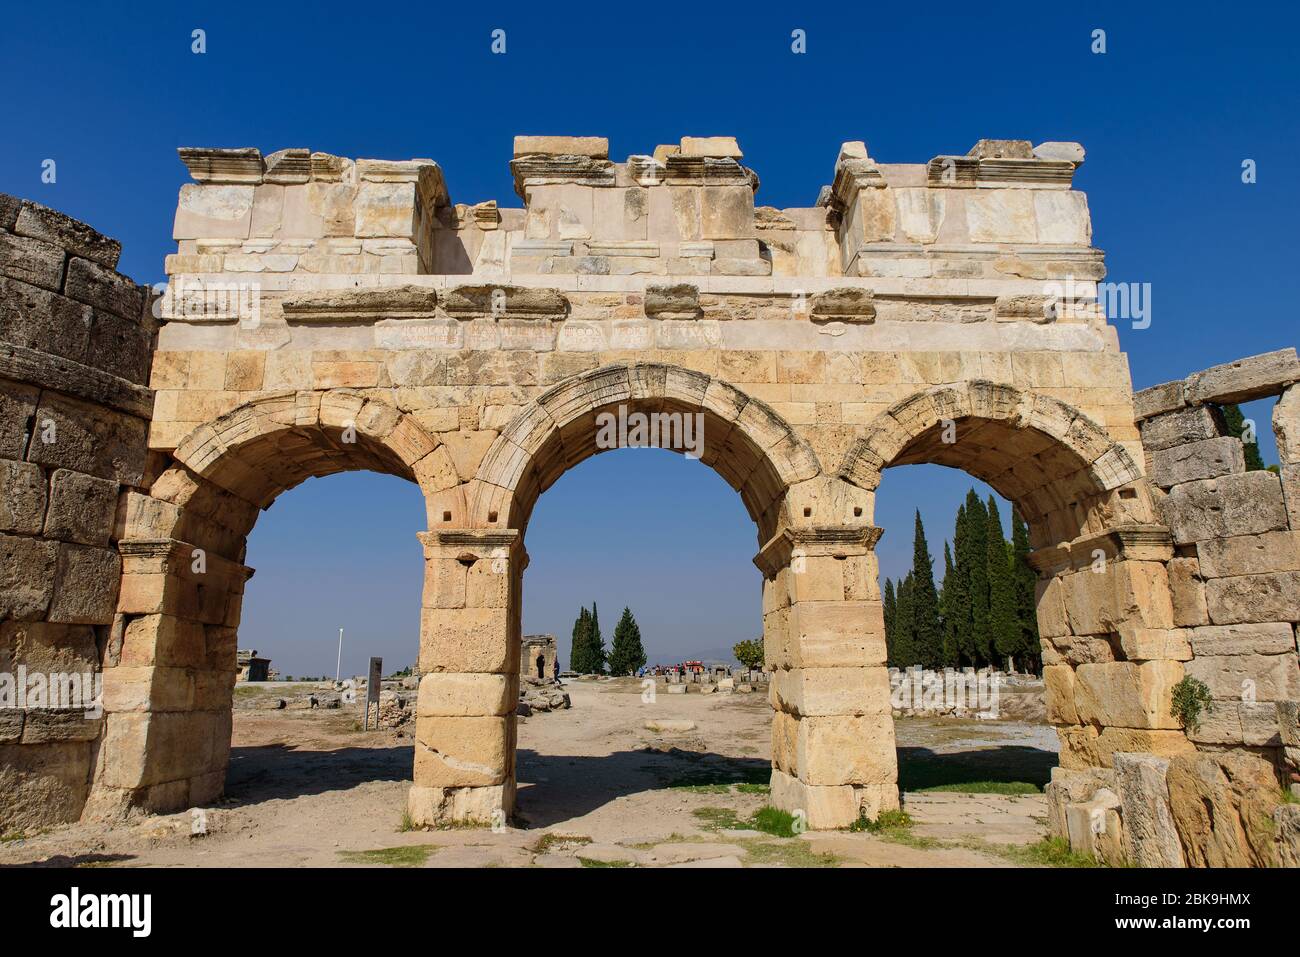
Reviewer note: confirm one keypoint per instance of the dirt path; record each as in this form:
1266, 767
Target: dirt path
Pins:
306, 788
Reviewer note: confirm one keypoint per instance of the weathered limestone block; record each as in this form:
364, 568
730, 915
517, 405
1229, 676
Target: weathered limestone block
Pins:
1068, 787
50, 226
43, 785
1206, 459
1286, 821
597, 147
85, 585
1244, 504
1151, 837
1274, 638
37, 319
1237, 723
836, 634
1062, 217
1154, 644
1001, 216
88, 438
31, 261
1250, 554
213, 212
1122, 593
466, 694
1286, 426
1085, 747
473, 751
1094, 827
465, 640
727, 212
677, 301
82, 508
360, 305
26, 576
103, 288
805, 692
1058, 681
22, 497
1242, 380
1291, 493
386, 209
1273, 596
823, 807
1222, 806
1127, 694
851, 304
477, 805
710, 146
1180, 427
1157, 400
504, 302
1187, 590
843, 749
238, 165
1248, 677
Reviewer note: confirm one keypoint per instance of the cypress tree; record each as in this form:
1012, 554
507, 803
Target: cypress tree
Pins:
1004, 630
580, 652
890, 604
957, 590
951, 648
902, 653
927, 635
977, 530
1025, 579
597, 643
1236, 423
626, 654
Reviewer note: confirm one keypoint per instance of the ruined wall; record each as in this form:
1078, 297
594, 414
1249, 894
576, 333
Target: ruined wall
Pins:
76, 340
1233, 569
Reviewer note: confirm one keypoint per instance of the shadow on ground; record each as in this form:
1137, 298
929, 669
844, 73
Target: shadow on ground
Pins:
921, 768
554, 788
280, 771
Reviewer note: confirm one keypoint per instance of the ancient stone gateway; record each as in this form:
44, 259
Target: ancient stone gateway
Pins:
325, 314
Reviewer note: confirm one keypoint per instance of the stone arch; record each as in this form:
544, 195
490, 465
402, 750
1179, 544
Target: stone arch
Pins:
745, 440
1061, 469
169, 671
1111, 643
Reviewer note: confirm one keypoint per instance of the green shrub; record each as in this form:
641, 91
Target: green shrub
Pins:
1190, 698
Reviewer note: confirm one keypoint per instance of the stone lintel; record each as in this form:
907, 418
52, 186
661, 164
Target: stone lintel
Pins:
504, 301
1254, 377
360, 305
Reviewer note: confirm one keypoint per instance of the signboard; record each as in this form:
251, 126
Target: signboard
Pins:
374, 681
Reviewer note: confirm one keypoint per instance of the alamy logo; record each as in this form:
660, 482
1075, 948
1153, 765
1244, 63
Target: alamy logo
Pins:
39, 690
679, 431
74, 910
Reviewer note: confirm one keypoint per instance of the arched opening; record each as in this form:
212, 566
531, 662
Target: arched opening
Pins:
1110, 657
170, 671
465, 754
662, 539
541, 666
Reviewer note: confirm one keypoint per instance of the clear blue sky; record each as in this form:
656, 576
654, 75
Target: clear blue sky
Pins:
1182, 95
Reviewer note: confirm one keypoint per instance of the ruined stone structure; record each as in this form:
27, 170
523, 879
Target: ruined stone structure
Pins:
538, 658
325, 314
75, 345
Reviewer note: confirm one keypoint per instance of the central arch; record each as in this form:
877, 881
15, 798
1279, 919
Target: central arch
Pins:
825, 639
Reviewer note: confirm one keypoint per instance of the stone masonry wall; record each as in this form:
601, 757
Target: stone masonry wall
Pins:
76, 341
1234, 586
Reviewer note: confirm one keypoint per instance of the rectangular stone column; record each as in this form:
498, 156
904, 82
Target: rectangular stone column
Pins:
168, 678
833, 755
469, 658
